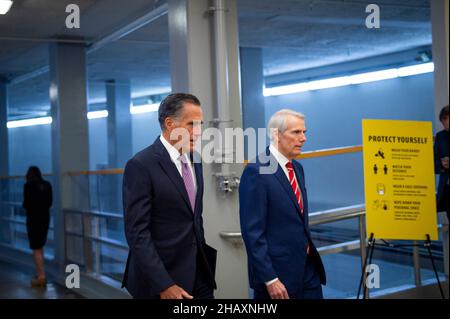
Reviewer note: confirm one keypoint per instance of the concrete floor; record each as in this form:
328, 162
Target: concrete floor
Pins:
15, 284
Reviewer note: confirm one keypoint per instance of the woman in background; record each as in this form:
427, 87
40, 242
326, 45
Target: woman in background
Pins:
37, 201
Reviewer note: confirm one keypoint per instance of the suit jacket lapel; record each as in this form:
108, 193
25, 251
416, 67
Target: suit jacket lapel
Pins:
199, 179
172, 172
281, 176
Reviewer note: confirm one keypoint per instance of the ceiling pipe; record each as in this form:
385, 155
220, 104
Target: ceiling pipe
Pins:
100, 43
221, 60
221, 107
227, 179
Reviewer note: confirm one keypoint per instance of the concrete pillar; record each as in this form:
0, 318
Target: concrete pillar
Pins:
4, 151
193, 66
439, 23
252, 83
118, 100
70, 144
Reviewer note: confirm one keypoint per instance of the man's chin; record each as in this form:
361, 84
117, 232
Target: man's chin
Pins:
189, 148
297, 153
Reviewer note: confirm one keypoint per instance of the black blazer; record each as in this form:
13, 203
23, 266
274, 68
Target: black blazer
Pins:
441, 150
37, 199
165, 236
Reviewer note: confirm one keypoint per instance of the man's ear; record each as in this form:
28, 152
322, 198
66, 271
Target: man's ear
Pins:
168, 123
274, 135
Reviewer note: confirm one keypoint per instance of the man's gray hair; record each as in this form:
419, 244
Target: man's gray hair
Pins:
277, 122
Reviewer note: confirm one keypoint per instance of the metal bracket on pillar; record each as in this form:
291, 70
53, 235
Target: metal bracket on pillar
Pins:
217, 7
234, 237
227, 182
216, 122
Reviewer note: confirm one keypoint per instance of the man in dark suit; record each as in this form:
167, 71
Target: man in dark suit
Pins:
162, 196
441, 159
282, 259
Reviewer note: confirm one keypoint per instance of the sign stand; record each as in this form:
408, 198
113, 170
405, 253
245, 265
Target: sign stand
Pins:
371, 247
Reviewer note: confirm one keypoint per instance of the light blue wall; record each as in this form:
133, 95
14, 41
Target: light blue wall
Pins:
29, 146
145, 129
98, 143
333, 119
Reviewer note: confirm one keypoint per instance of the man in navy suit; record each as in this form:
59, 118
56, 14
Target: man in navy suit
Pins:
162, 197
282, 259
441, 159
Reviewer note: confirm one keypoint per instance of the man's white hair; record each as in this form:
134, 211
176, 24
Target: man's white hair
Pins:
277, 122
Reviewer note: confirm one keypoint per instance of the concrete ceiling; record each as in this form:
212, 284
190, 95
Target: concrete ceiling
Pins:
294, 35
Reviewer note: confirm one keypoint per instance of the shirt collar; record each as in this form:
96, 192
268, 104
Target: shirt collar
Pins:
174, 154
281, 159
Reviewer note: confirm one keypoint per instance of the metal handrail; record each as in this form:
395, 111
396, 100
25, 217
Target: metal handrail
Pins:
336, 214
317, 218
324, 217
93, 213
99, 239
308, 154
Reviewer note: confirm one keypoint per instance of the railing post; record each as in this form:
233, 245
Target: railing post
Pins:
97, 245
416, 260
87, 244
12, 227
363, 249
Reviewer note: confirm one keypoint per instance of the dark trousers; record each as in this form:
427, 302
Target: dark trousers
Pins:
312, 289
444, 202
202, 286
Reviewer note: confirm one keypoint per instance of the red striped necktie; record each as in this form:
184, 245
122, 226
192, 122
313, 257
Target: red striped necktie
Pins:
294, 185
296, 190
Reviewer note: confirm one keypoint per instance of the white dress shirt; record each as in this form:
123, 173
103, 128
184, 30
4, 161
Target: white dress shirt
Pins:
281, 159
175, 157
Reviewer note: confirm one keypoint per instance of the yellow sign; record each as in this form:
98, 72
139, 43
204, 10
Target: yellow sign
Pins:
399, 179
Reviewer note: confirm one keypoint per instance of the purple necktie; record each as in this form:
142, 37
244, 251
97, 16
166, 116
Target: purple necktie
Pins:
188, 180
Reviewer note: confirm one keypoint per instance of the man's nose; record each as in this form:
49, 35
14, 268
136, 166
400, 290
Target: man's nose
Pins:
303, 138
197, 131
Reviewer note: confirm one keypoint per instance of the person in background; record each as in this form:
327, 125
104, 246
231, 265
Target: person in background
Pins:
37, 200
441, 162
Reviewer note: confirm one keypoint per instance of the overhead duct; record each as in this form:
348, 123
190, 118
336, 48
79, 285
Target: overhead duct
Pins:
100, 43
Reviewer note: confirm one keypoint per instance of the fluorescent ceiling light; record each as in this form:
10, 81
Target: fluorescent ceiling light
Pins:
329, 83
97, 114
146, 108
307, 86
5, 5
416, 69
286, 89
373, 76
29, 122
